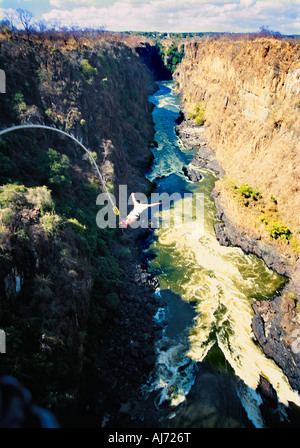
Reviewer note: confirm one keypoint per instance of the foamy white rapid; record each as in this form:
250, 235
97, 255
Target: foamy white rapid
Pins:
221, 281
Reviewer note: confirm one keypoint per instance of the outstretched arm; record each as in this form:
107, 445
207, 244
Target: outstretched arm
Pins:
133, 198
155, 203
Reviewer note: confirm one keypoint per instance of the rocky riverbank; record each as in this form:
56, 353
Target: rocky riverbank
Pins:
192, 135
276, 323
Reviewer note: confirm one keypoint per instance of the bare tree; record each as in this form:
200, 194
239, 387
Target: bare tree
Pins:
265, 32
42, 25
25, 18
10, 19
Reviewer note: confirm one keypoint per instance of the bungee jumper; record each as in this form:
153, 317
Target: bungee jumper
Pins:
138, 208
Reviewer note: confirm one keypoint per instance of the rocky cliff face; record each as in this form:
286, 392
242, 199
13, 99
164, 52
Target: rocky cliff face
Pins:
64, 288
250, 93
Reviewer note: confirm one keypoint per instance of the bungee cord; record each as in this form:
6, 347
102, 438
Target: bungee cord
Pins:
71, 136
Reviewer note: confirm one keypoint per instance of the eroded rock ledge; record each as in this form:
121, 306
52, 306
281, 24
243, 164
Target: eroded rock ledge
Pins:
192, 135
275, 326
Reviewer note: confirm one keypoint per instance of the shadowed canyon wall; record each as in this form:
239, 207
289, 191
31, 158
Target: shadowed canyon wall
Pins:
63, 280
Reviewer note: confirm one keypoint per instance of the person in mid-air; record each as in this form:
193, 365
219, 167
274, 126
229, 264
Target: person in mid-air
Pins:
134, 215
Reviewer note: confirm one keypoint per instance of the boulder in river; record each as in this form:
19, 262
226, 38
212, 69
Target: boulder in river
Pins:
191, 174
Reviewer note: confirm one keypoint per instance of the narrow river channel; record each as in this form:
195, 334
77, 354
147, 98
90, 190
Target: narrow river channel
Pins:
208, 363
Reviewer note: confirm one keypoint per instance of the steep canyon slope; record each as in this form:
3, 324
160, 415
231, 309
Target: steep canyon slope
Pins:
65, 284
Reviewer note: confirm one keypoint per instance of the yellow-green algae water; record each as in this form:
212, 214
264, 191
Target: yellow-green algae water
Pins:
220, 283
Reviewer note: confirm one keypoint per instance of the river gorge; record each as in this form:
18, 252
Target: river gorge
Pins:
188, 323
209, 364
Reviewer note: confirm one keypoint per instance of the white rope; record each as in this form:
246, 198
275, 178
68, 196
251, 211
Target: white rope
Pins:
42, 126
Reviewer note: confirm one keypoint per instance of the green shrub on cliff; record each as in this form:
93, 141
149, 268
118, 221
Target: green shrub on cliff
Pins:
41, 198
51, 223
87, 69
12, 195
291, 295
56, 168
174, 56
18, 99
198, 116
249, 193
277, 229
295, 244
76, 226
265, 211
